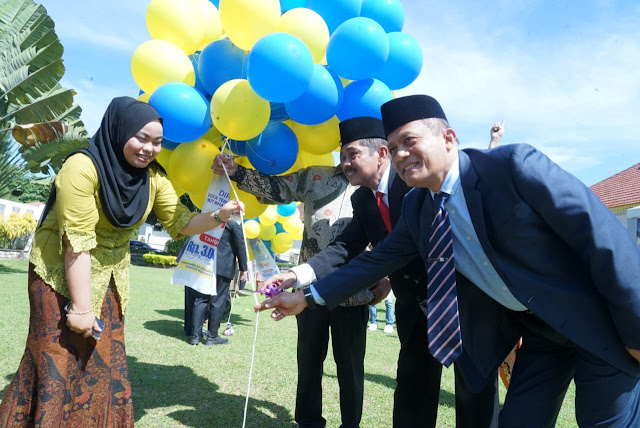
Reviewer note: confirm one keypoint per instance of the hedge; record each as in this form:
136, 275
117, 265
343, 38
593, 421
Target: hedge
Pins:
158, 259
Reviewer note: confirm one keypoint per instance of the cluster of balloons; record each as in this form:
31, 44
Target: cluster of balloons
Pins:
268, 80
277, 226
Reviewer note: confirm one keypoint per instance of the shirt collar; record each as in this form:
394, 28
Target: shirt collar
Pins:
452, 180
383, 186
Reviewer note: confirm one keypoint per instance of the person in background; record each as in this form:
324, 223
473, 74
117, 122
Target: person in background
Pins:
214, 308
389, 314
74, 369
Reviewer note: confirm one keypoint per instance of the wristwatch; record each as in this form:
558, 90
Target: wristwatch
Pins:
308, 296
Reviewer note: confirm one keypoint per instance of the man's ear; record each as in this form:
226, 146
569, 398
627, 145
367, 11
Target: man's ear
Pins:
450, 137
383, 152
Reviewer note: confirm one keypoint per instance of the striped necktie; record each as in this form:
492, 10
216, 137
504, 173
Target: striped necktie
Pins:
445, 340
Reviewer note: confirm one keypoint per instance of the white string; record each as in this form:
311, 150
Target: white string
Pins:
255, 298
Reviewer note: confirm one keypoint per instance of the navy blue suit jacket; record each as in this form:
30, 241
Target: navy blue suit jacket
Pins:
560, 251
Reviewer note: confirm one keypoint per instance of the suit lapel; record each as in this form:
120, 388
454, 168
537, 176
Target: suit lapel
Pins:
397, 190
473, 198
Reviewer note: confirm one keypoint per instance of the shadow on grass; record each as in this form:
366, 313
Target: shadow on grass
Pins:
446, 398
3, 390
7, 269
175, 328
158, 386
236, 319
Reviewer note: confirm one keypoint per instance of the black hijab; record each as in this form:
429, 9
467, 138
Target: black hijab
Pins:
124, 189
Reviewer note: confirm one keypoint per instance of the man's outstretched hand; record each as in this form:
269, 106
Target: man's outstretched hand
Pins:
284, 304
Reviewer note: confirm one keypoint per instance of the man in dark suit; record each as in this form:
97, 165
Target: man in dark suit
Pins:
376, 209
525, 250
230, 248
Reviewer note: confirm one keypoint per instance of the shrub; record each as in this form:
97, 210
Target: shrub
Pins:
15, 227
172, 247
158, 259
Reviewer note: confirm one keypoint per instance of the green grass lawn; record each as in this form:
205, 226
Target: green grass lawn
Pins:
175, 384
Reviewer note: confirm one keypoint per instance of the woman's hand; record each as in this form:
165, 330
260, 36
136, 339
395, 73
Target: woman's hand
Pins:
82, 324
230, 208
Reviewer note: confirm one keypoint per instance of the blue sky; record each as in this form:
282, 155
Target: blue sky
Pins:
565, 75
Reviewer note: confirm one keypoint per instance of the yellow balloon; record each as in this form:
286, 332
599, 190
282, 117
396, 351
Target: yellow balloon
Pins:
251, 229
267, 231
176, 21
190, 165
211, 20
309, 27
179, 190
157, 62
252, 208
282, 219
269, 216
144, 97
238, 112
198, 199
317, 139
244, 161
245, 21
294, 226
214, 136
163, 158
309, 159
281, 243
251, 256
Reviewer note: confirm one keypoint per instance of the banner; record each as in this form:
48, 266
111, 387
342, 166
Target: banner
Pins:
196, 268
264, 261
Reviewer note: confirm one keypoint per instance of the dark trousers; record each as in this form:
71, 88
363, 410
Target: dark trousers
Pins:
545, 365
418, 380
348, 327
196, 305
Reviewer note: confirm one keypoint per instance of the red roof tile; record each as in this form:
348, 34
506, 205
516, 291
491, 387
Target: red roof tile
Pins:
620, 189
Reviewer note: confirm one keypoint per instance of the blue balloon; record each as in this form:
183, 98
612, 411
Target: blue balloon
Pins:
286, 5
198, 85
320, 101
278, 113
279, 67
287, 210
404, 63
388, 13
335, 12
275, 150
358, 49
216, 3
219, 62
169, 145
364, 98
184, 111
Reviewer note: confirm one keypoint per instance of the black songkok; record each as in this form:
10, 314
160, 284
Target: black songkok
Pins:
359, 128
400, 111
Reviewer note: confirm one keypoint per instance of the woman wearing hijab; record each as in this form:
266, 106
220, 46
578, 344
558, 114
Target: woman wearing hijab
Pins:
79, 273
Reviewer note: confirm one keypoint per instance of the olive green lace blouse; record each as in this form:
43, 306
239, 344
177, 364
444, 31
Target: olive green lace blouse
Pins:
78, 213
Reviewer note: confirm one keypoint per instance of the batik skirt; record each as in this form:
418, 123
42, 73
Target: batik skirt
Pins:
65, 380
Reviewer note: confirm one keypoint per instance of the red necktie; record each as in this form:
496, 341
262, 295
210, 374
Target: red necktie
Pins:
384, 210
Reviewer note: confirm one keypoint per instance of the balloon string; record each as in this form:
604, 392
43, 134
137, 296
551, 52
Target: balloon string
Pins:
253, 285
271, 162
